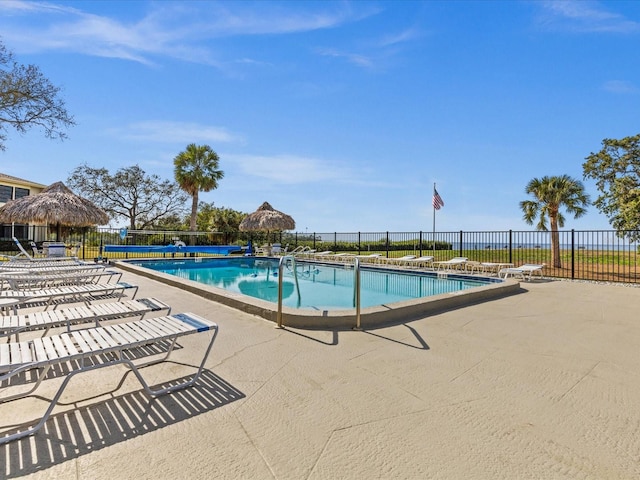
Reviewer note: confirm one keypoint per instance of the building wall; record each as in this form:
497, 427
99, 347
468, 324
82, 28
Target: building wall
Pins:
10, 189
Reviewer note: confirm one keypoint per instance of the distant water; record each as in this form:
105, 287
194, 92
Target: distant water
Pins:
583, 240
544, 246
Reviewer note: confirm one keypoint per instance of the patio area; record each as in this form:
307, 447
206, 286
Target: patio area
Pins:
541, 384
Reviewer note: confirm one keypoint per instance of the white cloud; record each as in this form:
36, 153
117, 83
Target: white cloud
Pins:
175, 132
174, 30
620, 86
286, 169
289, 169
354, 58
584, 17
402, 37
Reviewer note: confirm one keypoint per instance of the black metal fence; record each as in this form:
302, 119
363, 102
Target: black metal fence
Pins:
600, 255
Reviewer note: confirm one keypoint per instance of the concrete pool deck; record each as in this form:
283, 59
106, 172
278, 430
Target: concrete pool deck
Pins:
541, 384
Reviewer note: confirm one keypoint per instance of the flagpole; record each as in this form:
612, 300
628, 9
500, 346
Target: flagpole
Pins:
433, 238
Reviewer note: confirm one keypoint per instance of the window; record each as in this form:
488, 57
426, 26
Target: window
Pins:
6, 193
22, 192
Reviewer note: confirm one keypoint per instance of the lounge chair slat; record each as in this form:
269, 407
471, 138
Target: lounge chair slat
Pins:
92, 346
78, 340
27, 355
123, 332
147, 330
50, 349
5, 356
14, 354
155, 330
39, 350
162, 327
146, 333
19, 353
170, 326
150, 330
68, 341
136, 333
103, 338
114, 334
105, 308
60, 346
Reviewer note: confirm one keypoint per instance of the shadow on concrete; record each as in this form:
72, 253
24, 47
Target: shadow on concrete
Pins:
71, 434
422, 345
334, 336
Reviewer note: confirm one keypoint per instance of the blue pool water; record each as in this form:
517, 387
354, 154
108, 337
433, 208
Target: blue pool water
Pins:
319, 286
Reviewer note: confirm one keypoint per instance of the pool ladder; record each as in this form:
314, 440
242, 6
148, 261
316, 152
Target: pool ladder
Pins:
281, 265
356, 292
356, 287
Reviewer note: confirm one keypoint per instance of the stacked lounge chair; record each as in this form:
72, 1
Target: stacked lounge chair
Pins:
24, 256
455, 263
113, 337
525, 272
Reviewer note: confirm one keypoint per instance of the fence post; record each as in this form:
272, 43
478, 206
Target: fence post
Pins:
359, 248
510, 246
573, 254
387, 245
460, 240
420, 243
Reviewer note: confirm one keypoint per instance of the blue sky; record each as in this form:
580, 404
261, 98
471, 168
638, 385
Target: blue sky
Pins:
342, 114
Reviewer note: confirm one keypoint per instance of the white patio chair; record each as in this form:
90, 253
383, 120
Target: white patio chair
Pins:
94, 348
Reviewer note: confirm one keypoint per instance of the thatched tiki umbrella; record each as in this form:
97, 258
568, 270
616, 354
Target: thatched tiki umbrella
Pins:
55, 205
266, 218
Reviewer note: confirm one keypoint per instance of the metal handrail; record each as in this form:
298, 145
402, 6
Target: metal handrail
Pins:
281, 264
356, 291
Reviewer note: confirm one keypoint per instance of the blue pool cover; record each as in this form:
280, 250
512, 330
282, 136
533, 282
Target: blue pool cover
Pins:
216, 249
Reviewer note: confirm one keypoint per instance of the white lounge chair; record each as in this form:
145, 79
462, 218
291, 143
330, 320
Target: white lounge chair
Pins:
370, 258
262, 250
60, 267
493, 268
13, 325
342, 257
84, 293
424, 261
93, 348
525, 272
453, 263
400, 261
36, 251
27, 280
323, 255
32, 259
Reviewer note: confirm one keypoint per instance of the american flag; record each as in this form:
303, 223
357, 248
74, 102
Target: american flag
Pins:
438, 203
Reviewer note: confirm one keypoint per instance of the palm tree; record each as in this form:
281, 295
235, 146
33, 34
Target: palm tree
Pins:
196, 170
552, 193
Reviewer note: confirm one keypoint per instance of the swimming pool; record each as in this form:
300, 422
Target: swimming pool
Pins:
322, 291
313, 286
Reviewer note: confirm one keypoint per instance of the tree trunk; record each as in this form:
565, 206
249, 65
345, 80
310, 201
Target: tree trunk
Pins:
556, 261
194, 216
